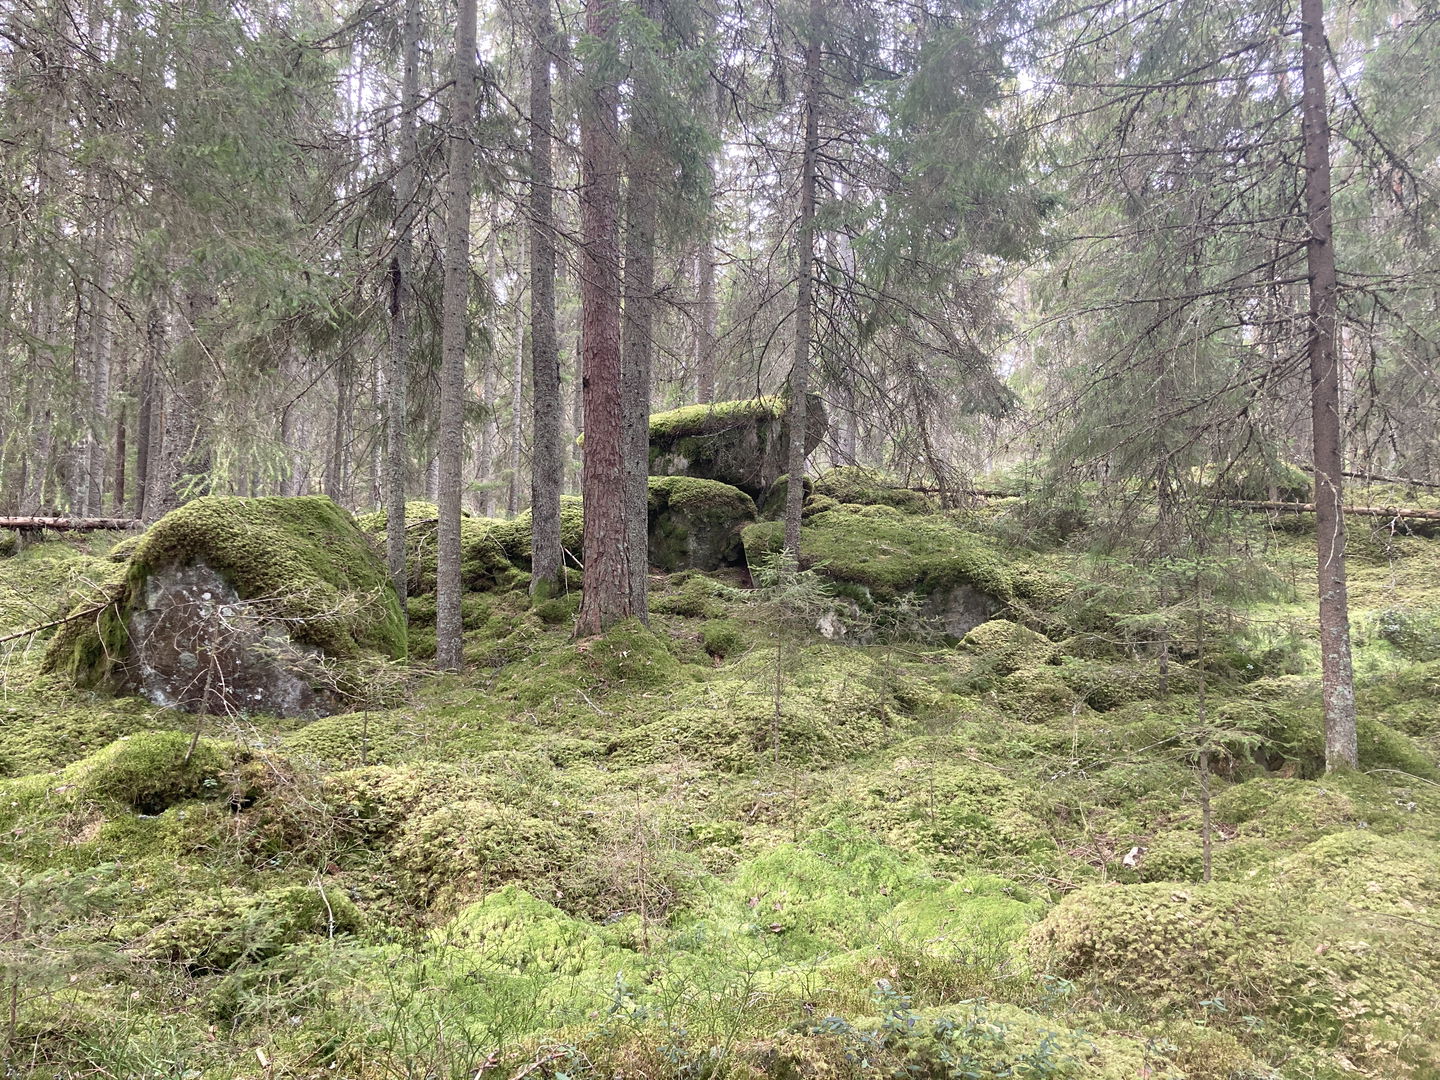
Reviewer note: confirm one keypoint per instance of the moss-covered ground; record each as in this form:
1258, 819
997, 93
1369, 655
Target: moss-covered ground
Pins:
725, 846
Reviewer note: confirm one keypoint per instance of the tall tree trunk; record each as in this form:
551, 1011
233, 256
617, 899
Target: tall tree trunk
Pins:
397, 371
455, 301
637, 341
99, 349
1337, 677
517, 411
607, 595
547, 452
120, 480
705, 320
146, 412
805, 241
337, 463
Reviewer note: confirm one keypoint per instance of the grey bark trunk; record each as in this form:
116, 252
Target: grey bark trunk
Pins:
607, 593
1337, 676
805, 240
637, 342
397, 372
146, 413
706, 321
455, 301
547, 452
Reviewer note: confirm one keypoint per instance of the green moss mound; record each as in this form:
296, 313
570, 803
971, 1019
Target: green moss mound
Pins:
485, 562
218, 933
304, 556
1170, 946
695, 524
888, 553
854, 484
1006, 647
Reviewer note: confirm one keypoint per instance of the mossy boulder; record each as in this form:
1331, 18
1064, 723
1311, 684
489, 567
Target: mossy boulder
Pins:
854, 484
695, 524
515, 536
740, 443
878, 554
217, 933
1006, 647
1167, 945
232, 605
485, 559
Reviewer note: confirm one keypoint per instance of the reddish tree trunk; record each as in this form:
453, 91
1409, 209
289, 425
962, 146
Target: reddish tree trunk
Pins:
607, 592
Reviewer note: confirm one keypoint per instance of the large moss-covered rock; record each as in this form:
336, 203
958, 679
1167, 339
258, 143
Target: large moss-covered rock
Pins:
233, 605
741, 443
854, 484
485, 548
695, 524
878, 553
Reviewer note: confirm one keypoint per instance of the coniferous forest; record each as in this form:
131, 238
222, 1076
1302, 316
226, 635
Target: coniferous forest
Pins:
720, 539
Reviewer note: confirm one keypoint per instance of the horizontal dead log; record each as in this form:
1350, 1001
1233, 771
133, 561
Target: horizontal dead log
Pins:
1381, 478
68, 524
1391, 512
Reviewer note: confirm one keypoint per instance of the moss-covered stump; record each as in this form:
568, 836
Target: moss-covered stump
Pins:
740, 443
232, 605
695, 524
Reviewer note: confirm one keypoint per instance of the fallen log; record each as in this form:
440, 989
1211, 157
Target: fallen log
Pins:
1393, 512
1381, 478
67, 524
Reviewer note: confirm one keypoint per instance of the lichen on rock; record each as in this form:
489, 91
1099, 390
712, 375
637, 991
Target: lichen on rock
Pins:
232, 605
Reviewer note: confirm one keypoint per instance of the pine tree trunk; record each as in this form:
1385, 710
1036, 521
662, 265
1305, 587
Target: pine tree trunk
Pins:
805, 241
99, 348
547, 451
145, 413
517, 410
705, 322
337, 463
455, 303
397, 372
1337, 677
637, 342
607, 595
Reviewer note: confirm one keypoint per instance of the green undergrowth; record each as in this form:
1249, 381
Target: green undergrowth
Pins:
725, 846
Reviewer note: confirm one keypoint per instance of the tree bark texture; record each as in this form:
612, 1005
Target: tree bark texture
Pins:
397, 370
805, 267
547, 452
607, 593
1337, 677
637, 336
455, 302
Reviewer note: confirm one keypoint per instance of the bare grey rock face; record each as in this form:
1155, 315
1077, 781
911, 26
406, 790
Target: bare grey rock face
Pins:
960, 608
196, 645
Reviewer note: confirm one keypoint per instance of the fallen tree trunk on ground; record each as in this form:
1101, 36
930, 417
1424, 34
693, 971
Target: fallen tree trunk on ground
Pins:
1358, 511
68, 524
1381, 478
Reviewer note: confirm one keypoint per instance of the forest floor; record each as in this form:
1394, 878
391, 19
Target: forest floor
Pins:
725, 846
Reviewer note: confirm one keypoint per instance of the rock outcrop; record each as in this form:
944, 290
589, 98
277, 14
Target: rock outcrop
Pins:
232, 605
740, 443
696, 524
